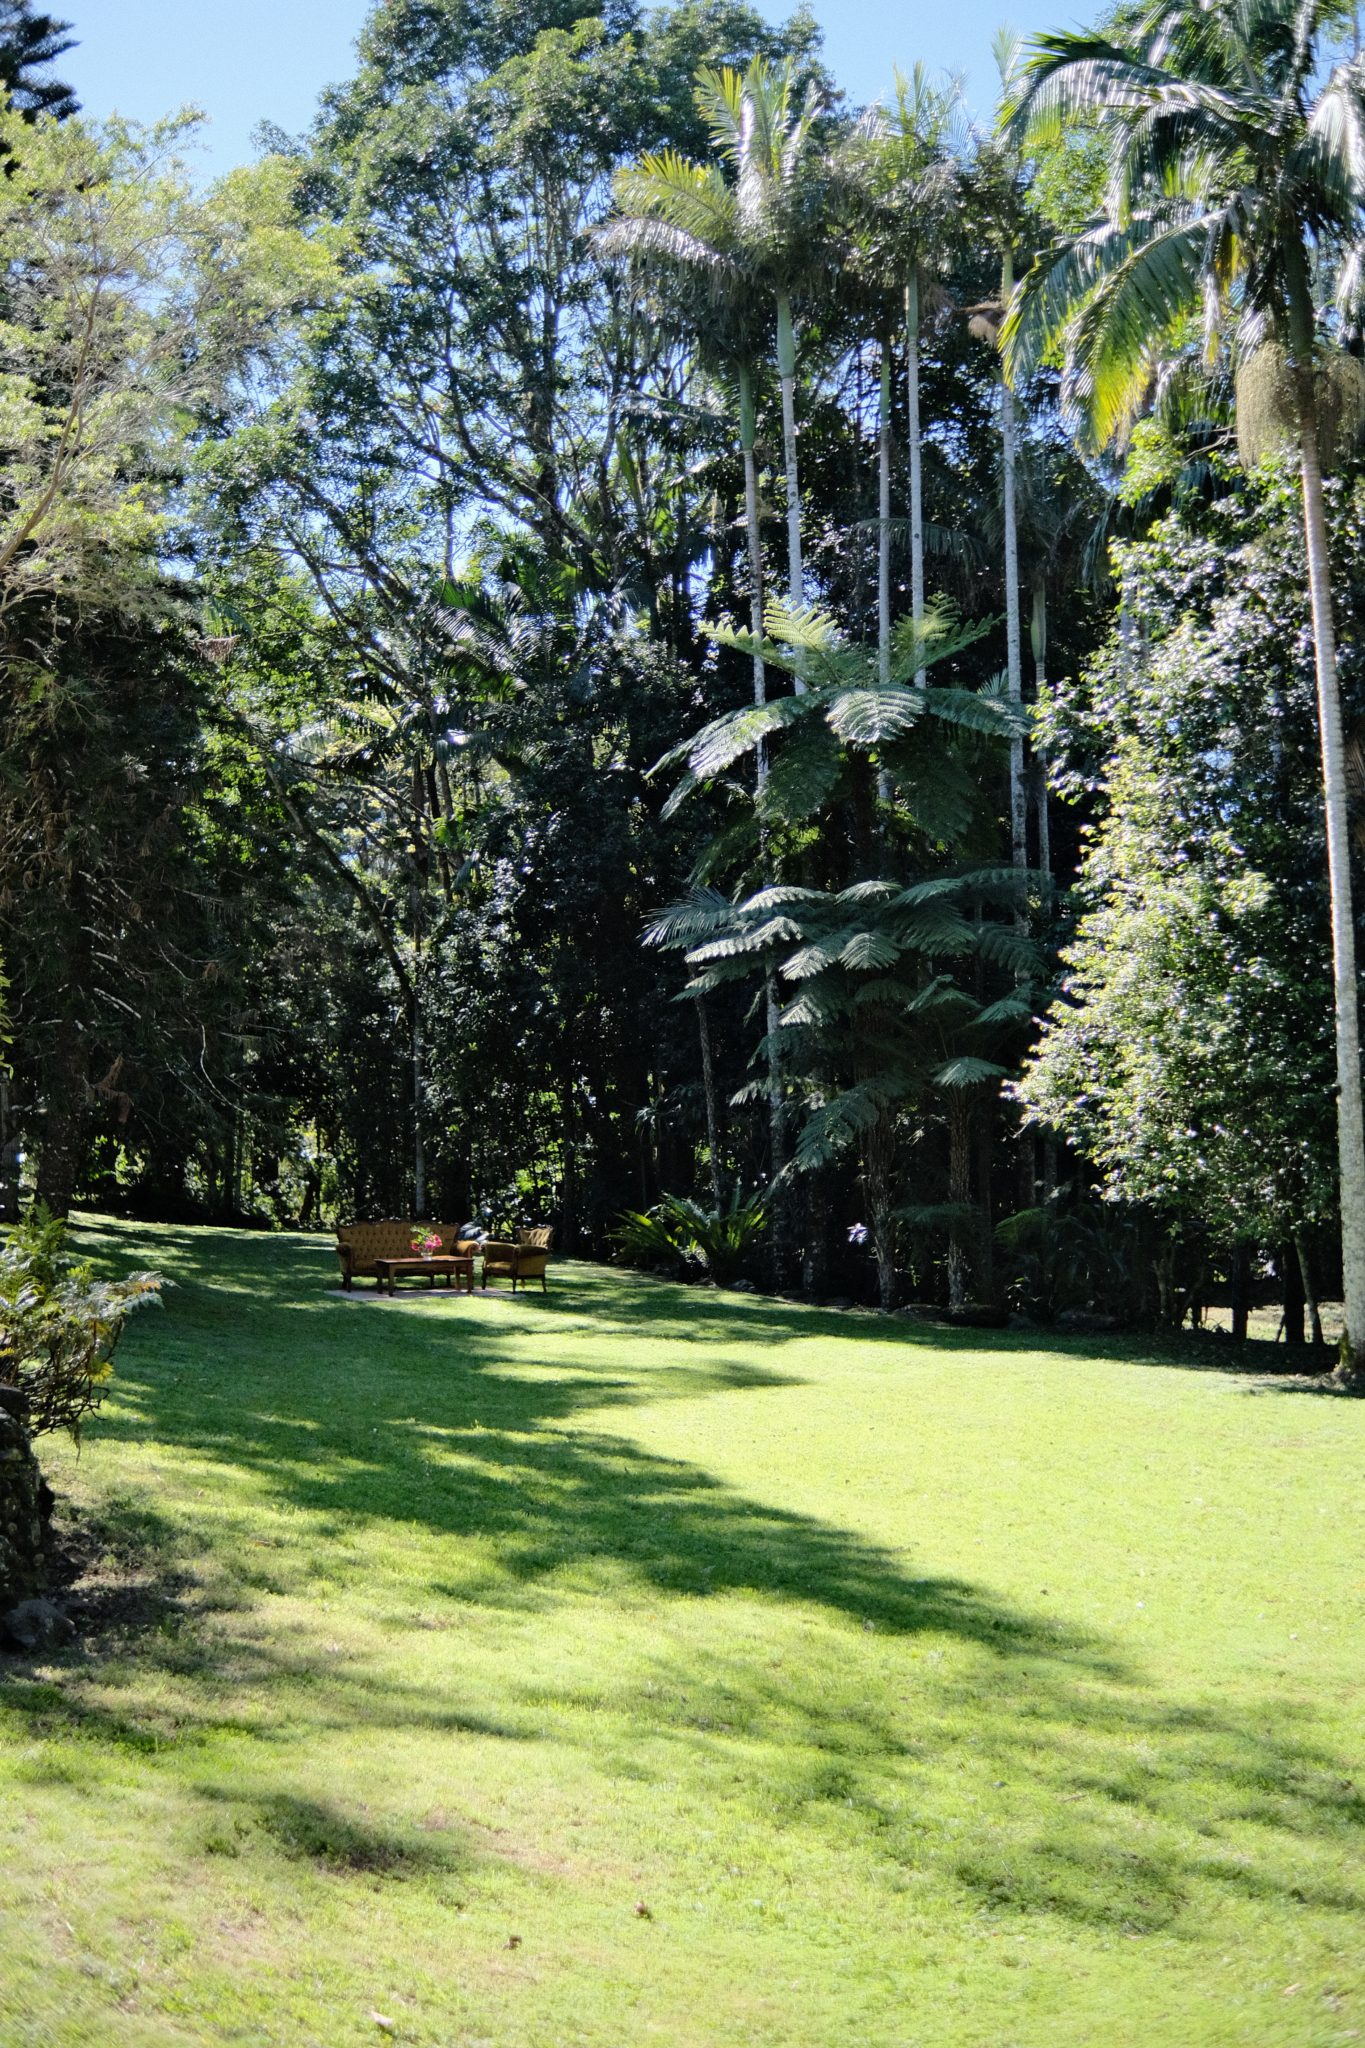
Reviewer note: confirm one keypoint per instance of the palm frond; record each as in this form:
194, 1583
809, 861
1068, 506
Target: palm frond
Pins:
967, 1071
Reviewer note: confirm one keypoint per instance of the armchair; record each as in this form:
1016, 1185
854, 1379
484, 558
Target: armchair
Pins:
518, 1262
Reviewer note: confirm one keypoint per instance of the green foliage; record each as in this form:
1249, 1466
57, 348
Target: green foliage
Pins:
1189, 1055
678, 1232
1213, 209
1072, 1252
59, 1324
31, 42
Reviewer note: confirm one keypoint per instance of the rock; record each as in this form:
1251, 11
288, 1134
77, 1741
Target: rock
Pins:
36, 1625
743, 1287
840, 1302
1086, 1322
1022, 1322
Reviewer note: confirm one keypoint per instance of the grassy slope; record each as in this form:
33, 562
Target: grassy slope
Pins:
924, 1690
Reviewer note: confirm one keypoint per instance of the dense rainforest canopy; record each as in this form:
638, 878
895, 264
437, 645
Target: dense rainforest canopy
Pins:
605, 631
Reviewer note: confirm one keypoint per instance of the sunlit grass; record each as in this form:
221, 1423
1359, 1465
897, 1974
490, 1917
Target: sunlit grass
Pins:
645, 1664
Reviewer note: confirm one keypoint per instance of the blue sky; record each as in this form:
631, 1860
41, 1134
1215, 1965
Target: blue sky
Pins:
243, 61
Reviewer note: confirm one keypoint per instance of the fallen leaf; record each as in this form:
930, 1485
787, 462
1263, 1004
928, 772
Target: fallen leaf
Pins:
384, 2023
643, 1910
512, 1941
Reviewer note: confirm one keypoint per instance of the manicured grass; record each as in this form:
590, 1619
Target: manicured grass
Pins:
649, 1665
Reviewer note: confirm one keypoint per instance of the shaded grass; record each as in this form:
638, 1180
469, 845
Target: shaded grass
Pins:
922, 1689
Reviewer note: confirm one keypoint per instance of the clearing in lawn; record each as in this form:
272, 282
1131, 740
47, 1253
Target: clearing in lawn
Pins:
651, 1664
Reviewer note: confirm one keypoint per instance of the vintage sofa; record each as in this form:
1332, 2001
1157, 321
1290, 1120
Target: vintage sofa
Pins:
360, 1244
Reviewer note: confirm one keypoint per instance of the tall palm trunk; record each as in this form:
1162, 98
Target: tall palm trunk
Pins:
748, 435
708, 1082
884, 517
960, 1107
419, 1154
786, 370
1013, 660
916, 457
1038, 644
1350, 1117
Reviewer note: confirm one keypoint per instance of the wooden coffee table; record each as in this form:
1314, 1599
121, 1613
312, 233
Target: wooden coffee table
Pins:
454, 1265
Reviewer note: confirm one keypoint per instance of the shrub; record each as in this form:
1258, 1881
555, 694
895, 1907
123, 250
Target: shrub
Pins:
1073, 1252
679, 1232
59, 1325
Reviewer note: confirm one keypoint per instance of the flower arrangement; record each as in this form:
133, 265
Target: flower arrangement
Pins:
428, 1245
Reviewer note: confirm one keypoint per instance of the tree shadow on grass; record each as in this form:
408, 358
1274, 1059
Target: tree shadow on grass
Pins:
1085, 1795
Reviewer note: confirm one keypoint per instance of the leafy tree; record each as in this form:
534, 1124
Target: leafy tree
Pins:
1189, 1057
1234, 169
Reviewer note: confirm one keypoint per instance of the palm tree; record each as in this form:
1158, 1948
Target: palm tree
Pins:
997, 176
857, 961
1236, 170
769, 144
683, 219
750, 240
913, 203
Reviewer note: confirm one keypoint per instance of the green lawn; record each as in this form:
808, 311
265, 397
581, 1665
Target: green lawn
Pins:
644, 1664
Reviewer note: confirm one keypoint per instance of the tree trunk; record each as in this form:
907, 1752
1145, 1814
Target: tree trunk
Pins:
786, 370
780, 1237
1013, 659
1350, 1123
959, 1194
1291, 1280
708, 1082
984, 1262
877, 1178
10, 1160
1241, 1292
1038, 642
61, 1150
419, 1156
748, 426
916, 459
1049, 1162
747, 434
1304, 1252
568, 1129
884, 518
23, 1497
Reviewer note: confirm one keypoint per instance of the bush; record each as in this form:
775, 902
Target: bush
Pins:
59, 1325
678, 1232
1075, 1253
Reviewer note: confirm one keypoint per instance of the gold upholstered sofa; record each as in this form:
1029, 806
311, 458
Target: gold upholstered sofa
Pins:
360, 1244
